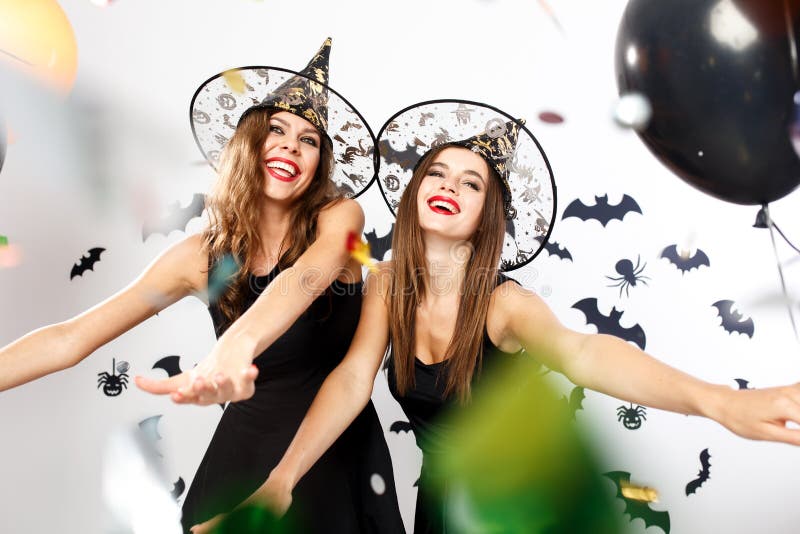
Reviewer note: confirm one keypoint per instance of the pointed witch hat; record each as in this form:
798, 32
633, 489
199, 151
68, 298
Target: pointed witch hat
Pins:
529, 188
217, 107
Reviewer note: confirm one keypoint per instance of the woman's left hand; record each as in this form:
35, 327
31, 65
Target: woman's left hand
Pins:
761, 414
226, 374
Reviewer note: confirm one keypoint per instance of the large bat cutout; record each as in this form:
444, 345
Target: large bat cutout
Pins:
638, 509
682, 261
732, 320
379, 246
177, 219
601, 211
702, 475
609, 324
170, 364
86, 263
554, 249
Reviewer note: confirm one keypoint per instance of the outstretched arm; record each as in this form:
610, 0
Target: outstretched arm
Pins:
226, 374
177, 272
593, 361
341, 398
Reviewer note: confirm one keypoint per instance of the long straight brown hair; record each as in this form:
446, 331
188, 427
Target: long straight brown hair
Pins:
410, 284
235, 203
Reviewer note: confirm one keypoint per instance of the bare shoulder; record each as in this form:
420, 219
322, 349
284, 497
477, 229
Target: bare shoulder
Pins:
513, 308
510, 297
186, 260
345, 212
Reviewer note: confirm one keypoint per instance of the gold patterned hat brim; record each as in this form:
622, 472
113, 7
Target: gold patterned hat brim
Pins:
216, 108
529, 180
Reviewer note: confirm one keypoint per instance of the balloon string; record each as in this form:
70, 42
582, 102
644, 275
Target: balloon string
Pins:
784, 237
771, 225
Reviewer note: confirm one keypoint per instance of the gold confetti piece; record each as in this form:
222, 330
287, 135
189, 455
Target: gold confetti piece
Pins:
360, 251
234, 80
638, 493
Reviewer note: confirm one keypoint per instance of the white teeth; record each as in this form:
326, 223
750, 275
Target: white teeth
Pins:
444, 205
282, 166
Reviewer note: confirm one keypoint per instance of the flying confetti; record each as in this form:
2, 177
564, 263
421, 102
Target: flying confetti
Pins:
234, 80
360, 251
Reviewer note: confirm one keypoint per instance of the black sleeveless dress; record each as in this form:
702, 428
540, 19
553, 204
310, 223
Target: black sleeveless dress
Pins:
424, 406
336, 495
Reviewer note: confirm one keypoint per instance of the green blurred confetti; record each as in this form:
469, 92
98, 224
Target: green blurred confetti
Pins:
519, 465
3, 241
254, 520
221, 277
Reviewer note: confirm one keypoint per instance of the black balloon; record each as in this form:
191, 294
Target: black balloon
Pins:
720, 76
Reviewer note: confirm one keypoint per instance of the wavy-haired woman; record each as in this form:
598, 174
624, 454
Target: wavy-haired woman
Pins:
445, 314
282, 296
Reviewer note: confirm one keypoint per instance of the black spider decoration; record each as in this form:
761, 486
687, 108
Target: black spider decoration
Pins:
630, 275
113, 384
631, 417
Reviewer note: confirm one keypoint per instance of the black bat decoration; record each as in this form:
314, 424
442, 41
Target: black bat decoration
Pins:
86, 264
609, 324
638, 509
702, 475
379, 246
170, 364
554, 249
400, 426
177, 219
575, 401
406, 158
601, 210
743, 384
732, 320
683, 263
178, 488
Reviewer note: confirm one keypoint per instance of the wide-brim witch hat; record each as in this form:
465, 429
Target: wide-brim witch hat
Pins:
529, 188
220, 102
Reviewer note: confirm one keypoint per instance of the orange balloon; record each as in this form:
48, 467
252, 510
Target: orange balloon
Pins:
37, 38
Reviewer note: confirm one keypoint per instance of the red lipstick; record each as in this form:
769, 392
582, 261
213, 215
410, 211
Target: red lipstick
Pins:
455, 208
278, 175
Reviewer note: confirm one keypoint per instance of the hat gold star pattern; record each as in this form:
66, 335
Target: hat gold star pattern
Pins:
497, 146
529, 188
305, 95
216, 110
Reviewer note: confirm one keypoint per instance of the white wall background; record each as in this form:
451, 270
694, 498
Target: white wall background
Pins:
139, 64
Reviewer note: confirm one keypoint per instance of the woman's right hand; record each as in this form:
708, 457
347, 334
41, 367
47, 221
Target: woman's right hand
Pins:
275, 494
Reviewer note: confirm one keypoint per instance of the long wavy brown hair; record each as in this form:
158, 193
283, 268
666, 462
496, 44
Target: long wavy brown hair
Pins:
409, 286
235, 203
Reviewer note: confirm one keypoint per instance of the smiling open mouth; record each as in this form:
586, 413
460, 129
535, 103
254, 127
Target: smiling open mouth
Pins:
444, 205
283, 170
